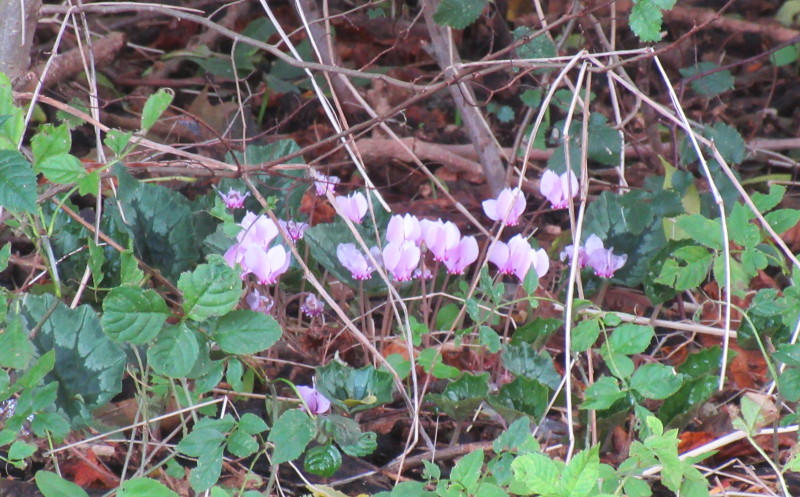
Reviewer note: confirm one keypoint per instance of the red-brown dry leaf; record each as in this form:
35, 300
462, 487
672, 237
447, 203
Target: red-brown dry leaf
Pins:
88, 472
318, 209
693, 439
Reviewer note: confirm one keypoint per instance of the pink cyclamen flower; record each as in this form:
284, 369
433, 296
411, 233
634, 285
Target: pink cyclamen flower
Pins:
440, 237
402, 228
234, 198
507, 207
559, 189
267, 265
462, 255
324, 184
602, 259
353, 206
354, 260
315, 401
518, 257
312, 306
422, 274
259, 303
294, 229
401, 258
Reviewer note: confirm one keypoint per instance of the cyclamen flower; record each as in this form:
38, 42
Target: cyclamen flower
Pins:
422, 274
462, 255
324, 184
234, 198
559, 189
440, 237
294, 229
354, 260
595, 255
312, 306
267, 265
400, 259
314, 401
353, 206
259, 303
518, 257
602, 259
507, 207
402, 228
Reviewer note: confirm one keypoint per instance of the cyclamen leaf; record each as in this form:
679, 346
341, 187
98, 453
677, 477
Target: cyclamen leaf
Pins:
323, 460
458, 14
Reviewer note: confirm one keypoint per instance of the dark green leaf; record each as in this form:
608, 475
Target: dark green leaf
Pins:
458, 14
461, 397
702, 363
290, 435
240, 444
789, 384
788, 353
680, 407
174, 352
201, 440
88, 365
354, 389
522, 360
133, 314
523, 396
322, 460
17, 182
347, 434
159, 221
207, 471
246, 332
710, 84
16, 349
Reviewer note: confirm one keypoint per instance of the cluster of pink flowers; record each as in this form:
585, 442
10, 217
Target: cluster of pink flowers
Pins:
518, 257
252, 250
593, 254
324, 184
234, 199
559, 189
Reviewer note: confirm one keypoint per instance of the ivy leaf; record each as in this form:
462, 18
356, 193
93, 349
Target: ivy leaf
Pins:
133, 314
17, 182
458, 14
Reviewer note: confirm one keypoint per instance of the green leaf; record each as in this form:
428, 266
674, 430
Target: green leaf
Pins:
789, 384
133, 314
711, 84
252, 424
467, 470
210, 290
16, 350
246, 332
5, 254
50, 422
88, 365
322, 460
458, 14
602, 394
490, 339
656, 381
159, 221
63, 169
702, 363
144, 487
536, 473
740, 228
645, 19
17, 182
155, 105
430, 360
50, 141
580, 475
117, 141
52, 485
702, 230
354, 390
20, 450
687, 269
523, 396
768, 201
347, 434
240, 444
174, 352
290, 435
585, 335
207, 471
89, 184
630, 339
782, 219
